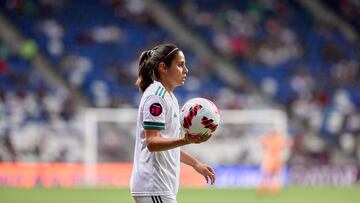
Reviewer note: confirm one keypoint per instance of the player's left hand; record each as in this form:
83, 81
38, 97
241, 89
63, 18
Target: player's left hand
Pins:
197, 138
207, 171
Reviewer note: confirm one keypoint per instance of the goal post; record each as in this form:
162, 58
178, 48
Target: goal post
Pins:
276, 119
92, 117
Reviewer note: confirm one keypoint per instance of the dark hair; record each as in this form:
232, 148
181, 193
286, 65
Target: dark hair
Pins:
149, 62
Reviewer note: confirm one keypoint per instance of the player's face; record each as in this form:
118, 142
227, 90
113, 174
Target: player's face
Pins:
176, 73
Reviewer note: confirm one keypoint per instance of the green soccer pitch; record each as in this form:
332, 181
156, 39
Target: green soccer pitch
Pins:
288, 195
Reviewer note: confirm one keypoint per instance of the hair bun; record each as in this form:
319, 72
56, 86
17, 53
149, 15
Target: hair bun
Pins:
150, 53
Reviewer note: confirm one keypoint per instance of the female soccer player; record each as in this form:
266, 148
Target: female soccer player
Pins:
272, 165
157, 157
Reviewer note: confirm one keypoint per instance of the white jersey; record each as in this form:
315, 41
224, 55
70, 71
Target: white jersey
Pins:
156, 173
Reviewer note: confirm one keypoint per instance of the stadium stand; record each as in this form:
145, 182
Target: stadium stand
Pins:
307, 67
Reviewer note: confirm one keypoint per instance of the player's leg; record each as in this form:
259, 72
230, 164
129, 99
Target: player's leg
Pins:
276, 182
265, 180
263, 186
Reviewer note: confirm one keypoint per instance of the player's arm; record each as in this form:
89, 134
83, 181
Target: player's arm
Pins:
204, 169
155, 142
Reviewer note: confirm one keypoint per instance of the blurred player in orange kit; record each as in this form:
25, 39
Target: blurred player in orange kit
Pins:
272, 164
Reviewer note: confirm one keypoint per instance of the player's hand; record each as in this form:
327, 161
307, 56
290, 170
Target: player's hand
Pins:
207, 171
197, 138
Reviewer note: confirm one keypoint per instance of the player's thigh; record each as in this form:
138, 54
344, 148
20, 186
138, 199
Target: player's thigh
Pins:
155, 199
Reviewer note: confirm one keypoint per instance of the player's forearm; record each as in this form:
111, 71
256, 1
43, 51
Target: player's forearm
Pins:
188, 159
155, 144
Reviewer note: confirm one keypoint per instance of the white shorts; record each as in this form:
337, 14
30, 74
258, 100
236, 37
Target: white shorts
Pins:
155, 199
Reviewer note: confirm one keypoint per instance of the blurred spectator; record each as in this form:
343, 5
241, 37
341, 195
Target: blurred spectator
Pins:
346, 72
315, 149
9, 152
101, 93
54, 33
3, 66
302, 83
100, 34
76, 68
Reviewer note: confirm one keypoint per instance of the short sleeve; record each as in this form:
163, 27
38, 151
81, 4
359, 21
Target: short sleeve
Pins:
154, 112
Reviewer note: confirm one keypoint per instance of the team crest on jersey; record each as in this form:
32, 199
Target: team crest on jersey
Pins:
155, 109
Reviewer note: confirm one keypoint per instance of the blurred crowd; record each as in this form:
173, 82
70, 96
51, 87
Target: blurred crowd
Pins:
309, 67
37, 121
347, 9
303, 66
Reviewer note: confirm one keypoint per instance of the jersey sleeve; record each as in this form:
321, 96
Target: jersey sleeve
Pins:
154, 112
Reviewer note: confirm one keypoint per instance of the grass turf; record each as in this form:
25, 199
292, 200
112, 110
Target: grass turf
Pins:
212, 195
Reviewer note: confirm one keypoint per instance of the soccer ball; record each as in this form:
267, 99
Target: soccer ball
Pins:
199, 116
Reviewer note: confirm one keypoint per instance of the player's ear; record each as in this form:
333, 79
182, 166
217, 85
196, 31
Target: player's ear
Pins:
162, 67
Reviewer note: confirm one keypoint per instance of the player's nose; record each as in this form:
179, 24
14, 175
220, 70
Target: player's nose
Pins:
185, 70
